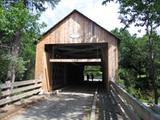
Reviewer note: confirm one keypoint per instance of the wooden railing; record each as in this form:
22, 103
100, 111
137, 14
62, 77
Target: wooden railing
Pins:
10, 93
131, 107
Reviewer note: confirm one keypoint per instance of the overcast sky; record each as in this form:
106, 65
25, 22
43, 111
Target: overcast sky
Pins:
106, 16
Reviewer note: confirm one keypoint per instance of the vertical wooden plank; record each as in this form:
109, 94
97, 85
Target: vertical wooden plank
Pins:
83, 30
39, 61
47, 67
50, 72
79, 31
87, 32
90, 31
45, 77
68, 30
61, 40
65, 31
109, 62
95, 29
71, 29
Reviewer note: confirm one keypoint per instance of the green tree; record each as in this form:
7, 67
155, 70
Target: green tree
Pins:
143, 13
132, 57
19, 29
38, 5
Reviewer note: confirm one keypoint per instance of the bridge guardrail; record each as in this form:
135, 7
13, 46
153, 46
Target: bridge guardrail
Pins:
134, 109
20, 90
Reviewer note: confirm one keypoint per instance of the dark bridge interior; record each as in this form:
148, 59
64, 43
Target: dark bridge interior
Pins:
69, 60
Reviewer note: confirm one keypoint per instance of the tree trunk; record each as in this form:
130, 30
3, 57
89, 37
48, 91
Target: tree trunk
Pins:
14, 53
152, 68
155, 95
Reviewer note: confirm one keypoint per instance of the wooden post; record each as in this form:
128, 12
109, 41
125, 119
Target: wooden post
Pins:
105, 66
48, 73
9, 87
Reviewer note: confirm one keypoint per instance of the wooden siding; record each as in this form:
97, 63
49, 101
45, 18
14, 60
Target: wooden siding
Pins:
88, 32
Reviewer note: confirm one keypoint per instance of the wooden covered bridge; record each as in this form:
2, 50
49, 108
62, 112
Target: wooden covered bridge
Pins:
71, 44
61, 56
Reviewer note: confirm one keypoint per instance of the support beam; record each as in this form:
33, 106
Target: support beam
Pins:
75, 60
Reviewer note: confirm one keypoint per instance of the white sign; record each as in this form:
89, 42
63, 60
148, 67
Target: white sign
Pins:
74, 36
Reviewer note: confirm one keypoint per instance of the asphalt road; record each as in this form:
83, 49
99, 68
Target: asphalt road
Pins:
73, 103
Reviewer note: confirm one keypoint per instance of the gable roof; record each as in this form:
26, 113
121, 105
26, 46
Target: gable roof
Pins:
76, 11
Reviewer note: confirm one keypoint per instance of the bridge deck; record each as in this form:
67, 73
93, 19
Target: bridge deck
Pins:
73, 103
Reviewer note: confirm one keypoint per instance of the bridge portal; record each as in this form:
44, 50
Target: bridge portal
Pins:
73, 43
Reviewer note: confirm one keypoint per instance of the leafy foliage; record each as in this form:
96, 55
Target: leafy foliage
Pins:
95, 70
134, 64
17, 17
19, 30
139, 12
144, 13
38, 5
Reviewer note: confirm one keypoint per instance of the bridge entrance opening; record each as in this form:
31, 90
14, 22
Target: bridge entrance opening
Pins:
93, 73
76, 63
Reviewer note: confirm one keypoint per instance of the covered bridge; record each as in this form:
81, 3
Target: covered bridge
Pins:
67, 47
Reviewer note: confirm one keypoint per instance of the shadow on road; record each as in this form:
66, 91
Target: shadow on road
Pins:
72, 103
